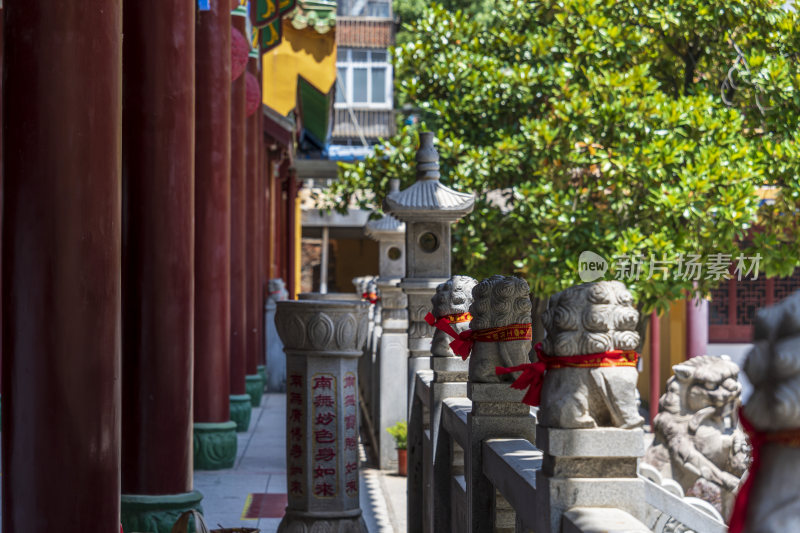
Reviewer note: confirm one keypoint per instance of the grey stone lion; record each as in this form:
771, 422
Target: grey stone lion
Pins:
452, 297
499, 301
773, 367
698, 442
586, 319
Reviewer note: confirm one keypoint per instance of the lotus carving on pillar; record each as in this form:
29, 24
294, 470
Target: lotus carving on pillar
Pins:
329, 326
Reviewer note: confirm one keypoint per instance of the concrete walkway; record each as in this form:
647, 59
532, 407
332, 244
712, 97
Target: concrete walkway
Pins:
253, 493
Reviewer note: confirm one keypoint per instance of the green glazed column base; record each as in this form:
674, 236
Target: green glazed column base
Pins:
255, 388
262, 371
156, 513
214, 445
241, 407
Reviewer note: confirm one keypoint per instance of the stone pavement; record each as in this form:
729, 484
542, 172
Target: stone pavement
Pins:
253, 492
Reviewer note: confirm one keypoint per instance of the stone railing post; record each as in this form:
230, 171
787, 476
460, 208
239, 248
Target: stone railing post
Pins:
588, 418
497, 410
428, 208
450, 303
323, 341
771, 416
392, 358
276, 359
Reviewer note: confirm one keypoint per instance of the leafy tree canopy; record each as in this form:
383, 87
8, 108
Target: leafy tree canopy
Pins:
626, 128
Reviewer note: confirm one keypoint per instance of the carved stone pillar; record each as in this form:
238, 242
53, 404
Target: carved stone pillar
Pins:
497, 410
392, 357
323, 341
588, 418
771, 416
428, 208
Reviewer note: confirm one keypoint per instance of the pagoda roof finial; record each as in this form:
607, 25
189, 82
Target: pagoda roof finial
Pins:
428, 198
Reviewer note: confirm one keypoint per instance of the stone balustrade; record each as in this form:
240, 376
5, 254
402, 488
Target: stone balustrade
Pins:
511, 467
479, 462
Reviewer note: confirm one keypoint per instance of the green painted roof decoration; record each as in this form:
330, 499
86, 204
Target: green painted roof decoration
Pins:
315, 109
264, 12
319, 15
240, 11
285, 6
271, 34
266, 18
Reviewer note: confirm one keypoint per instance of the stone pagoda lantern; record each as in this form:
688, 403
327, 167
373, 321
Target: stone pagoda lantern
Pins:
428, 208
391, 387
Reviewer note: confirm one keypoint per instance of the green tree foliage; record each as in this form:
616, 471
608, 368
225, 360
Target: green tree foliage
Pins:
409, 11
626, 128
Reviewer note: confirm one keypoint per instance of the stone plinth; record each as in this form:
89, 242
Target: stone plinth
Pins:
497, 412
276, 359
322, 341
587, 468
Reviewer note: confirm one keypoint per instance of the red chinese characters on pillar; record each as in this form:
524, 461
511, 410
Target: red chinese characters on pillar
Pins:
350, 435
296, 440
325, 478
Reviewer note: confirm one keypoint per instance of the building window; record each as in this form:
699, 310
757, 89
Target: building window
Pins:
365, 8
364, 78
734, 304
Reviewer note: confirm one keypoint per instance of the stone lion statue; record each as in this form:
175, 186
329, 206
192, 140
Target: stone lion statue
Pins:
452, 297
587, 319
773, 367
698, 442
277, 289
499, 301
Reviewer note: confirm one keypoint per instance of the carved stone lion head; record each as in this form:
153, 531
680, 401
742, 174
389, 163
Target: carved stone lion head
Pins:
591, 318
453, 296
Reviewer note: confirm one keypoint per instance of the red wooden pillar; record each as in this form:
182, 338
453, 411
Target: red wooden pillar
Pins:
263, 265
696, 327
240, 401
655, 364
254, 383
1, 185
215, 433
157, 263
282, 224
61, 266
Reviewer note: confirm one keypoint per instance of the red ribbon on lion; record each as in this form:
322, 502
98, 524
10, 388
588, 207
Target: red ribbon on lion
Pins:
789, 437
463, 342
532, 376
371, 297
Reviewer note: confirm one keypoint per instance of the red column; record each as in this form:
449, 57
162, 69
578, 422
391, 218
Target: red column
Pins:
1, 185
655, 364
157, 261
263, 264
215, 434
61, 266
282, 227
238, 246
255, 386
696, 327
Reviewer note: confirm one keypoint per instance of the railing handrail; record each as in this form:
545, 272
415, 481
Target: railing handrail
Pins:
454, 418
674, 506
511, 466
